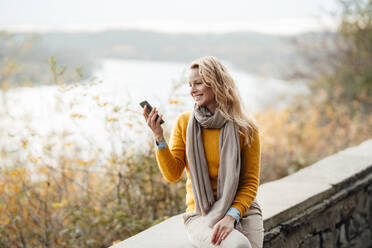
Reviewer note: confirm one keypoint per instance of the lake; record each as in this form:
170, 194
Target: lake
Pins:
105, 117
153, 81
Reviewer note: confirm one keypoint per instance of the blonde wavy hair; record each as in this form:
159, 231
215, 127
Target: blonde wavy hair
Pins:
215, 75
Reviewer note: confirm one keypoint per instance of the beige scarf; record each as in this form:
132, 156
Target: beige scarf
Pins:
229, 168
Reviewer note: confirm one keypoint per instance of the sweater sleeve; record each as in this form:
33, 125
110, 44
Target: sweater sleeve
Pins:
249, 176
171, 159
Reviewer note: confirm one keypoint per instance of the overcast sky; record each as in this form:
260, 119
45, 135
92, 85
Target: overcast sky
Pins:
192, 16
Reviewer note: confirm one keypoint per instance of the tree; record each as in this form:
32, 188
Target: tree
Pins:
339, 64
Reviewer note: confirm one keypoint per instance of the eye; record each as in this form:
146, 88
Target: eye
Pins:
197, 83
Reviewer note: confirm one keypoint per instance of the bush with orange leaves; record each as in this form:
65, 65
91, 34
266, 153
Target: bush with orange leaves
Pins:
306, 132
73, 206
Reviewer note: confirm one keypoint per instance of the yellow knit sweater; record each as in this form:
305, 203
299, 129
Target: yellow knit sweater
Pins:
172, 161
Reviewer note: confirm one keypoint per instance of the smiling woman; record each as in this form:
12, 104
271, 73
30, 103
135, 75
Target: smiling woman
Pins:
202, 94
221, 190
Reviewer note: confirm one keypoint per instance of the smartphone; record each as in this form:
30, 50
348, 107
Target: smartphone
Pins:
149, 108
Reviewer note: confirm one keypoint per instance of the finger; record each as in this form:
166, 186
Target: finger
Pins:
223, 237
154, 117
215, 234
150, 116
219, 240
152, 112
219, 236
145, 114
159, 120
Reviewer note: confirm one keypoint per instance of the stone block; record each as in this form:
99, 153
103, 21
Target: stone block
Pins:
278, 207
310, 241
363, 240
362, 150
329, 238
170, 233
342, 238
332, 170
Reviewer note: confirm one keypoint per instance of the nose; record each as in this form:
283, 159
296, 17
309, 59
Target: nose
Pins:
192, 89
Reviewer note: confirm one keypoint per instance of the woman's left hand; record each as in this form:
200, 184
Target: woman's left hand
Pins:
221, 229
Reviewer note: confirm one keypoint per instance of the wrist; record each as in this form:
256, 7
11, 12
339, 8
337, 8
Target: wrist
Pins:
230, 218
159, 138
235, 213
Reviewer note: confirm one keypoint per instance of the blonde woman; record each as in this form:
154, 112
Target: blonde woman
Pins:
219, 146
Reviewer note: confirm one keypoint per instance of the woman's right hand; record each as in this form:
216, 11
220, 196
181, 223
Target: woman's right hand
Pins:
154, 125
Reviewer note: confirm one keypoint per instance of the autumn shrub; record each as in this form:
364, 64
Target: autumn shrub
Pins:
305, 132
80, 208
74, 205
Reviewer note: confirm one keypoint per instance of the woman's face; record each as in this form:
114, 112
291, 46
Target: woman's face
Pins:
201, 93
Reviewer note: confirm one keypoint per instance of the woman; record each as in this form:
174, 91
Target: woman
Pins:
219, 146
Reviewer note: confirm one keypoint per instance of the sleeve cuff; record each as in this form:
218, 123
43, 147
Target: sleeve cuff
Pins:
235, 213
161, 145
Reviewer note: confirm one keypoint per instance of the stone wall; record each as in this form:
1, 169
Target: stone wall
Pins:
337, 212
328, 204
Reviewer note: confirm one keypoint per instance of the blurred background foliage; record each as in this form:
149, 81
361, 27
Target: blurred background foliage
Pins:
338, 66
76, 205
